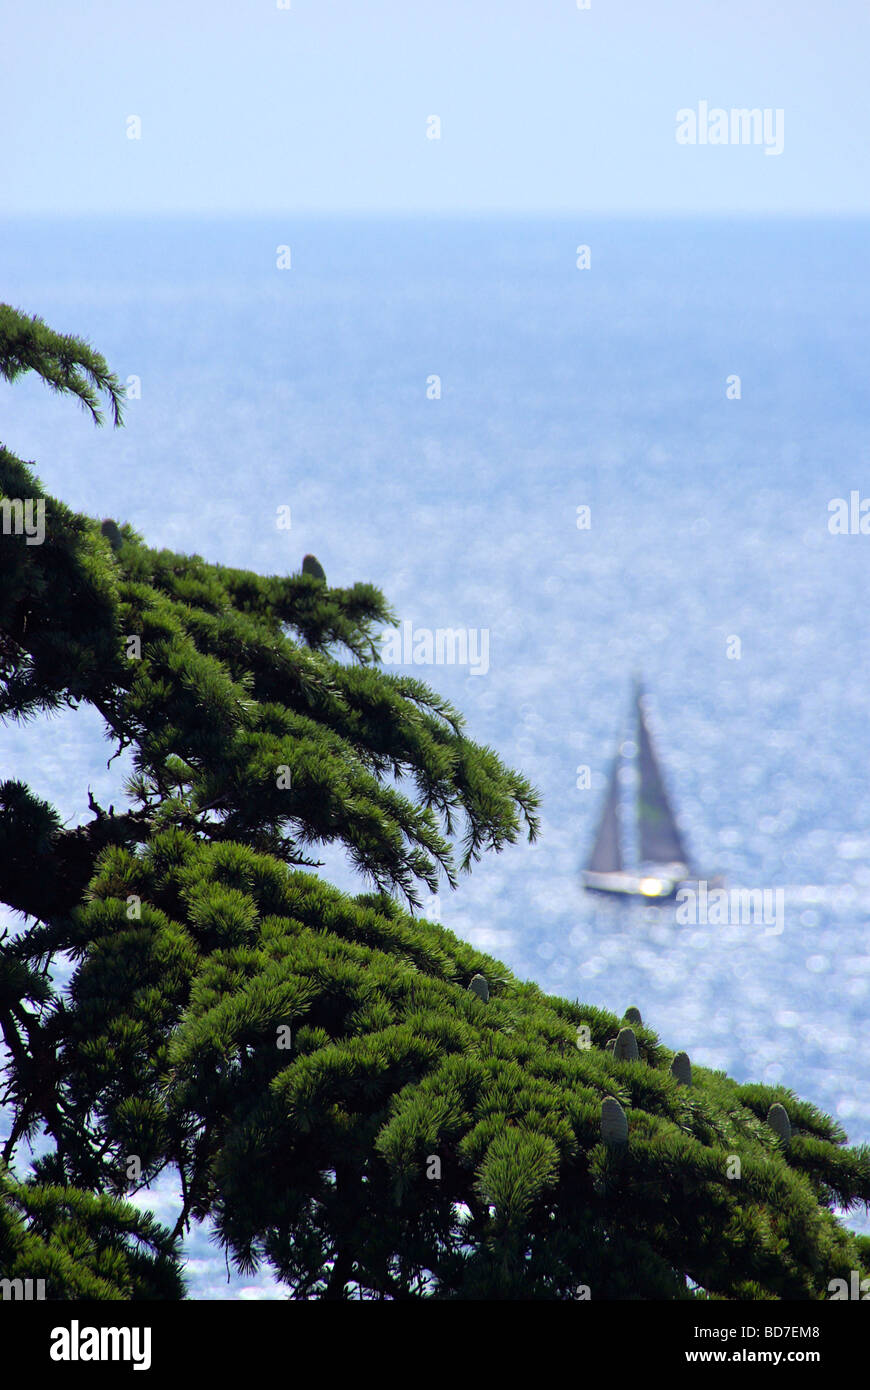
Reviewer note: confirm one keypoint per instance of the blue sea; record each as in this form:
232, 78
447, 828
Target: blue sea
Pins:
708, 565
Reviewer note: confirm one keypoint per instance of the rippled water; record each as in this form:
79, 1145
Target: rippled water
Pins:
559, 388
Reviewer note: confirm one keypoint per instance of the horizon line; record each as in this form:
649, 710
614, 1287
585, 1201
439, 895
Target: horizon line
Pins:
453, 214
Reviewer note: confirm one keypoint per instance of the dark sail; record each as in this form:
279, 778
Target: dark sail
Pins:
660, 840
606, 856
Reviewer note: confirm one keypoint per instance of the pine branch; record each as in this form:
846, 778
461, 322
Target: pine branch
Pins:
66, 364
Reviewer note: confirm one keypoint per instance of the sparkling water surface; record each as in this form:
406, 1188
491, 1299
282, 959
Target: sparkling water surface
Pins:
708, 566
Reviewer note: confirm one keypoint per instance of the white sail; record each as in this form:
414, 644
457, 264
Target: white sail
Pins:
659, 836
606, 856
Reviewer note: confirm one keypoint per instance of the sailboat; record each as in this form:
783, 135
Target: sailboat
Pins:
665, 865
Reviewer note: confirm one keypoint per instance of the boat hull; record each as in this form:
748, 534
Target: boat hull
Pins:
651, 888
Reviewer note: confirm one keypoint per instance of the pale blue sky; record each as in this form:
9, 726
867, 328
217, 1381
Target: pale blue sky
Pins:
246, 108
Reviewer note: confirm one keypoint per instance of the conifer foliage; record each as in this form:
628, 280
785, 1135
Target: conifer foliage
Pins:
355, 1097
